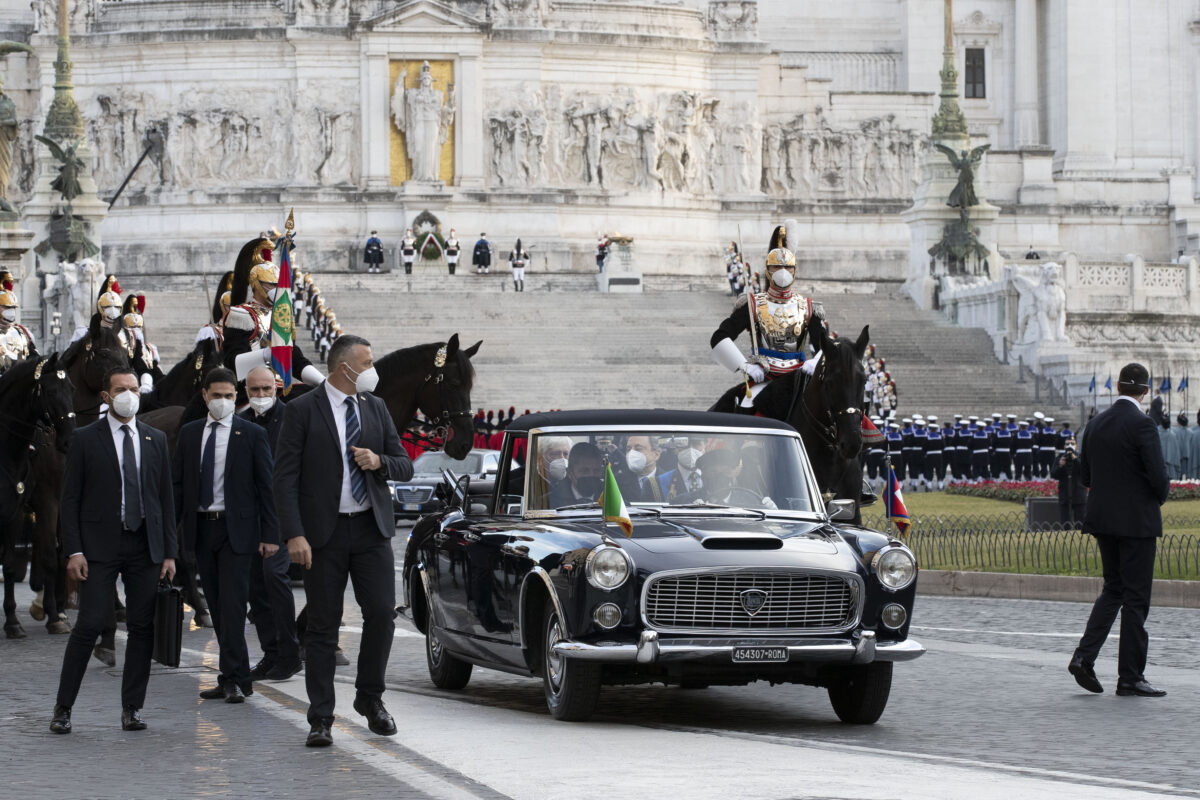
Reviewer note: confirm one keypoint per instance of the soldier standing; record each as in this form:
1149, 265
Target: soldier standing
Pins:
408, 250
373, 253
935, 465
875, 456
1048, 447
1023, 452
895, 449
906, 447
453, 248
482, 257
980, 454
920, 443
518, 258
1002, 454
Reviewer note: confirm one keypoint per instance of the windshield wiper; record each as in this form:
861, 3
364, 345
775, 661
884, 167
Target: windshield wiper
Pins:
761, 514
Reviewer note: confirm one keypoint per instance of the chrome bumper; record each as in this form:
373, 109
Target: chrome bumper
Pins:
651, 650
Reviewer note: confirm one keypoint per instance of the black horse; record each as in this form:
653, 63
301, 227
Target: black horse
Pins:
87, 361
182, 383
33, 393
827, 413
435, 379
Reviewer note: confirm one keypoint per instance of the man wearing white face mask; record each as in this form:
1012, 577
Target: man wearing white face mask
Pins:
641, 456
339, 523
223, 497
108, 311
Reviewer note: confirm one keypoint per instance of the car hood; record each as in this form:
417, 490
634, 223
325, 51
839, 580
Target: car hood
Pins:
682, 535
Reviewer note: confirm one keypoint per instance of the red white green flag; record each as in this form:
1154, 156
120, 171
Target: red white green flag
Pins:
613, 504
282, 314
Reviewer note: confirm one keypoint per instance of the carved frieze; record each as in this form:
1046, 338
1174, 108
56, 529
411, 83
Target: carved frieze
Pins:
1108, 276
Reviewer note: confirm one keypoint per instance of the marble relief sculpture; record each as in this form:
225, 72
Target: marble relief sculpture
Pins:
1042, 303
424, 114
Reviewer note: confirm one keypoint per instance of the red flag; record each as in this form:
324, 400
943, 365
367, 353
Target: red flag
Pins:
893, 502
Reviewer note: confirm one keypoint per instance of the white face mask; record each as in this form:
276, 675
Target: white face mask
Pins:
636, 460
262, 405
783, 278
9, 315
111, 313
688, 457
366, 381
126, 404
556, 470
220, 407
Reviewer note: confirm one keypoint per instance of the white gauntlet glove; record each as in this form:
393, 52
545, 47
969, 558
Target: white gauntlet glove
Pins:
755, 372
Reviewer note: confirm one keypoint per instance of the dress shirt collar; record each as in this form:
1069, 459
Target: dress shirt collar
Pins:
1134, 400
226, 423
336, 395
115, 424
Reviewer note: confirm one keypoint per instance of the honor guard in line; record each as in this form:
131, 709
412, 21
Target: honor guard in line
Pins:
1047, 448
408, 250
916, 457
143, 356
778, 321
108, 310
453, 251
981, 453
1002, 439
1023, 445
894, 442
935, 465
247, 324
16, 342
875, 455
373, 253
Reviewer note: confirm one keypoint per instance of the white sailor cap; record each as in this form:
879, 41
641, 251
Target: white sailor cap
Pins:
972, 418
932, 418
894, 426
1024, 423
920, 422
958, 416
996, 415
1011, 416
1038, 415
917, 416
907, 420
1048, 420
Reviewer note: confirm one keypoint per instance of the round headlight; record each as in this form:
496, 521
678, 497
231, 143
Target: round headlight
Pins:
607, 616
896, 568
607, 567
894, 616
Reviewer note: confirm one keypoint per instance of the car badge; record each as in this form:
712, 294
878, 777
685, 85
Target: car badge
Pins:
753, 600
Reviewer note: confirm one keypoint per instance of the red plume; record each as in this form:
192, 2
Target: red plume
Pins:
8, 284
116, 287
141, 303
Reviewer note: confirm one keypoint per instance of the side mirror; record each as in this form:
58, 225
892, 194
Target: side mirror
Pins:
840, 510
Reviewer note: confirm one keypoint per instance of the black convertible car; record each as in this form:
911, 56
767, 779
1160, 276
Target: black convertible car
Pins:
734, 571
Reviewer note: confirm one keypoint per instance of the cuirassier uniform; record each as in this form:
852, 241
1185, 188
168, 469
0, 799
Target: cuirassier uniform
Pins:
408, 251
453, 250
16, 344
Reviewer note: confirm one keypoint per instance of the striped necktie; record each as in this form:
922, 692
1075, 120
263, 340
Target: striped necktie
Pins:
358, 481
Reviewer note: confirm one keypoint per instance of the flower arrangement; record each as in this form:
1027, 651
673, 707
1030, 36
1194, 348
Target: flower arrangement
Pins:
1017, 491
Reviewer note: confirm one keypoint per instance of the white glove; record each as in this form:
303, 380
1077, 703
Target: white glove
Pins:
810, 366
147, 384
755, 372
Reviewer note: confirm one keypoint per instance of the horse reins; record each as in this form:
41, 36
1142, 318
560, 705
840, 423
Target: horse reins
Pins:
442, 422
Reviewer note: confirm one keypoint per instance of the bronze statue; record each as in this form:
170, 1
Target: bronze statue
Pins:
69, 169
8, 127
964, 195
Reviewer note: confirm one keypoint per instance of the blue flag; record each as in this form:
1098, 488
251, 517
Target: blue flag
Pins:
1092, 385
1165, 386
1183, 384
1108, 383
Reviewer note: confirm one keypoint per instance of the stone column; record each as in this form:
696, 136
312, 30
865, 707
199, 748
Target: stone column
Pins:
1025, 92
376, 121
468, 128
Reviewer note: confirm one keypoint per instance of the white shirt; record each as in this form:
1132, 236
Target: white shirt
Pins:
1133, 400
118, 435
224, 426
337, 401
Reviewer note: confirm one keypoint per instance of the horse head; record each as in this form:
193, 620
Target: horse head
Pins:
840, 379
445, 398
54, 396
88, 360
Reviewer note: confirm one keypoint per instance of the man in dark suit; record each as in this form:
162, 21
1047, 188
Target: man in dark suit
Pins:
339, 524
1122, 464
271, 602
224, 500
117, 517
584, 480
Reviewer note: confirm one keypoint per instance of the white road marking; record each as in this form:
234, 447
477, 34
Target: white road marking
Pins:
1035, 633
400, 633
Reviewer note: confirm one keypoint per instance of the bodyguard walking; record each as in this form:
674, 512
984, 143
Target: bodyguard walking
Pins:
339, 525
224, 501
1123, 466
117, 518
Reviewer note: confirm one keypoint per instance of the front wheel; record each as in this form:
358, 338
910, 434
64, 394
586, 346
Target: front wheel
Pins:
572, 687
860, 692
446, 671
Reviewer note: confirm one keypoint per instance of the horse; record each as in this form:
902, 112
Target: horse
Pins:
33, 392
827, 413
87, 361
183, 381
435, 379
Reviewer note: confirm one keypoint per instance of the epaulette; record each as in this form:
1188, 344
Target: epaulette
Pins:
742, 300
240, 319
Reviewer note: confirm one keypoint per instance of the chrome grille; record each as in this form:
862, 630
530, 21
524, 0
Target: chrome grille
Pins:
702, 602
413, 494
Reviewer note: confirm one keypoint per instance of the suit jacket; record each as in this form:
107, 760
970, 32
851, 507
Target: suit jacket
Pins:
1123, 466
308, 471
271, 422
249, 498
90, 513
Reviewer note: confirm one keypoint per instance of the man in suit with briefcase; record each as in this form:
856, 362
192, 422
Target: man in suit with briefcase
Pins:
1122, 463
117, 517
338, 523
223, 495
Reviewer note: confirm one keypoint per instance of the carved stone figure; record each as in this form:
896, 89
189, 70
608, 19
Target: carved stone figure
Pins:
424, 115
963, 194
1042, 303
517, 12
9, 127
733, 15
45, 15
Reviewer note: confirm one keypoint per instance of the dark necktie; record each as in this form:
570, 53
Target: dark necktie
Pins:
358, 481
208, 465
133, 487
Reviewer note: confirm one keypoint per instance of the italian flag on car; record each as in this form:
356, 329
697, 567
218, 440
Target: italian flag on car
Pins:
613, 504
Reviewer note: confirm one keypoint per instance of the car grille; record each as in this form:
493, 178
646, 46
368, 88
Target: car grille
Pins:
413, 494
701, 602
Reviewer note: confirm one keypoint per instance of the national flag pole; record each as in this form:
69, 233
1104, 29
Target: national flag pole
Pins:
283, 312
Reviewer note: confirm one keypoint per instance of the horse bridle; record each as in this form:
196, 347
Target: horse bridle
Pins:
45, 416
442, 422
827, 431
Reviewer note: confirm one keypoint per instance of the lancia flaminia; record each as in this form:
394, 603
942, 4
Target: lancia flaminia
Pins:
733, 569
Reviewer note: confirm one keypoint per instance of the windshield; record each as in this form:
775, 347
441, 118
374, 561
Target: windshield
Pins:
670, 469
434, 462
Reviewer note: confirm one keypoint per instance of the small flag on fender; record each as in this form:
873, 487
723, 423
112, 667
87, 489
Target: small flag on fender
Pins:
613, 504
893, 503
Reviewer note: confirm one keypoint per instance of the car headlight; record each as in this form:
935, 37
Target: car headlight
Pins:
895, 567
608, 567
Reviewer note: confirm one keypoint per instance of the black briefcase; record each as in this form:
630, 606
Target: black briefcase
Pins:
168, 624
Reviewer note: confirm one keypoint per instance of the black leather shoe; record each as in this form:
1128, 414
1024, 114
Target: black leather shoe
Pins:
233, 693
378, 719
131, 720
339, 658
62, 720
1139, 689
215, 693
321, 734
281, 672
261, 670
105, 655
1085, 675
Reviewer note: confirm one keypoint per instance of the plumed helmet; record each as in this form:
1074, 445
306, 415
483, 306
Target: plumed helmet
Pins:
133, 308
778, 254
8, 293
222, 303
254, 255
110, 294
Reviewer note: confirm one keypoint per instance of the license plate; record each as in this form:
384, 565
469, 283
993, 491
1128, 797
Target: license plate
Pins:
410, 506
760, 655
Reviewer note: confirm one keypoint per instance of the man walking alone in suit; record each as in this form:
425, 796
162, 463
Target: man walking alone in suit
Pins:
117, 517
224, 498
1122, 464
339, 524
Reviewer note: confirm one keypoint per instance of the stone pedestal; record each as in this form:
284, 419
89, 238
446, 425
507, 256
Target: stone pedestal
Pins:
619, 273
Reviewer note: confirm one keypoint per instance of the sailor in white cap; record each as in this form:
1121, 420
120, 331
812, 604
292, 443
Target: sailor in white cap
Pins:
1023, 445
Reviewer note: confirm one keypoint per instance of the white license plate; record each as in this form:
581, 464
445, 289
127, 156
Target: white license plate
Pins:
411, 506
760, 655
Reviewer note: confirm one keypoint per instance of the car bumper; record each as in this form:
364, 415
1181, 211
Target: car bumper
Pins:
651, 650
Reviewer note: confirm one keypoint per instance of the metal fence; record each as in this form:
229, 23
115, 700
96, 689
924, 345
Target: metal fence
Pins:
1002, 544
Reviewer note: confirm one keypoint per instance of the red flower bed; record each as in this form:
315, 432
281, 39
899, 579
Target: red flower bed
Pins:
1017, 491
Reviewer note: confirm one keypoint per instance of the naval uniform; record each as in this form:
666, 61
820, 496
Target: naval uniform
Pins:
1023, 455
980, 454
935, 466
1002, 454
916, 463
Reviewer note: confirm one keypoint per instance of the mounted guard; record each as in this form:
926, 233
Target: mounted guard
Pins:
16, 342
108, 311
143, 356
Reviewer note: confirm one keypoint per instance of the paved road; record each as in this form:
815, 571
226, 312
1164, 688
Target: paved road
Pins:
989, 712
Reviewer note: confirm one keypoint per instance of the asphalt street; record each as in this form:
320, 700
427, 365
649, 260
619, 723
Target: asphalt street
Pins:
989, 712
